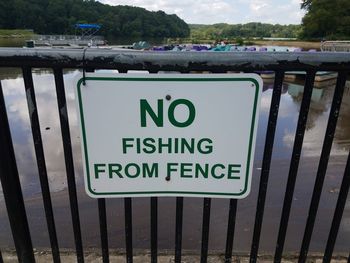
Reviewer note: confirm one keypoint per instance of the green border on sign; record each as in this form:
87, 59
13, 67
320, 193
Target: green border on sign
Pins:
81, 110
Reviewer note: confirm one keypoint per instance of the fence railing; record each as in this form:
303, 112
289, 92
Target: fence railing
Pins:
64, 40
335, 46
66, 37
184, 62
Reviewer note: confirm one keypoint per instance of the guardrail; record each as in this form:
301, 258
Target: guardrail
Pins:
66, 40
66, 37
335, 46
183, 62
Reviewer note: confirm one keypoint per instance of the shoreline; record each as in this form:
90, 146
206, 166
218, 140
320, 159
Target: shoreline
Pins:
296, 43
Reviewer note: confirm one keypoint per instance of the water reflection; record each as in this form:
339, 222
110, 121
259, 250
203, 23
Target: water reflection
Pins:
50, 129
321, 100
292, 93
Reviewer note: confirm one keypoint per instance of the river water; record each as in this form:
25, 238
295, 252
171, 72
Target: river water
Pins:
13, 88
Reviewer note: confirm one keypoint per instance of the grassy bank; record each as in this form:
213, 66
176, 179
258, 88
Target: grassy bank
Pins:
15, 37
291, 43
306, 45
11, 33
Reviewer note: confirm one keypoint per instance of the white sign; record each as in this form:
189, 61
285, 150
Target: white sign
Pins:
168, 134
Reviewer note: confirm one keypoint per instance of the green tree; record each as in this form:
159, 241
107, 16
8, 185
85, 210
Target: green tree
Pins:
60, 16
227, 31
326, 19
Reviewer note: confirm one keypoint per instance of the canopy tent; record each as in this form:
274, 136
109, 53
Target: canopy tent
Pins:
87, 30
87, 26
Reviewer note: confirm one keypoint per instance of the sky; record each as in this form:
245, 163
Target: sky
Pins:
224, 11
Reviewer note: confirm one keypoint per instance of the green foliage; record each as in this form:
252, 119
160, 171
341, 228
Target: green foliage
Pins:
227, 31
240, 41
16, 33
60, 16
326, 19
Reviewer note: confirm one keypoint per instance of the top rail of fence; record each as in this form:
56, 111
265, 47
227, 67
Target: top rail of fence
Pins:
172, 61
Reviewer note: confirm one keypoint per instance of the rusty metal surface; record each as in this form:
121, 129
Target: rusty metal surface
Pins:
173, 61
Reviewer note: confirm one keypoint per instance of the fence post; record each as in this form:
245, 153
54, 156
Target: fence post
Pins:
12, 190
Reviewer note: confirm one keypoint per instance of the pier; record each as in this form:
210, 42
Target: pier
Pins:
68, 40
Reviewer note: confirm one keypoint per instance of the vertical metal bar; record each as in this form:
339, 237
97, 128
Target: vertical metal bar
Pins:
12, 191
270, 135
41, 164
68, 156
294, 164
128, 216
338, 213
349, 258
323, 163
205, 229
1, 260
102, 219
103, 229
178, 228
128, 229
230, 230
154, 230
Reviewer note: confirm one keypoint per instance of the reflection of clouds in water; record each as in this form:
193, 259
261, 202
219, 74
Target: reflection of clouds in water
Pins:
288, 138
48, 115
313, 140
317, 123
12, 86
288, 109
13, 90
52, 139
286, 103
265, 103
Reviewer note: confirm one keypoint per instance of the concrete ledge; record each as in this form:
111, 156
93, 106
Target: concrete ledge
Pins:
164, 256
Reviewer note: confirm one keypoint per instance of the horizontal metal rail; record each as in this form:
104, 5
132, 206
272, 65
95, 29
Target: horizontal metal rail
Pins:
173, 61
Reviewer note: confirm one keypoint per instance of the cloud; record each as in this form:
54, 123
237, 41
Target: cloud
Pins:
272, 11
227, 11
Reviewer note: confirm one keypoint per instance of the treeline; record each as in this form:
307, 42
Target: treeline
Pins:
325, 19
60, 16
222, 30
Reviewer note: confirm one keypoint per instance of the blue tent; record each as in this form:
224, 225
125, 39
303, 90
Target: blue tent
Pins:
86, 30
88, 26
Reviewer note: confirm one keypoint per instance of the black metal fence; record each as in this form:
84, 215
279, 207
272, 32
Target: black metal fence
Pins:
123, 61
